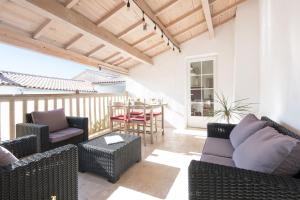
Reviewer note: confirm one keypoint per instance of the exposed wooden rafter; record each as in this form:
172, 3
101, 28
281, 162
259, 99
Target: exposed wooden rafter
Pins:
42, 29
130, 29
208, 18
117, 60
215, 15
111, 13
54, 10
71, 3
143, 39
166, 7
92, 52
182, 17
17, 38
144, 6
123, 61
153, 46
111, 56
73, 41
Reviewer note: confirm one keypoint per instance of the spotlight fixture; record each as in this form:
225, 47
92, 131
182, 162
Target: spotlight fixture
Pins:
162, 34
155, 27
173, 49
168, 42
145, 26
179, 50
128, 5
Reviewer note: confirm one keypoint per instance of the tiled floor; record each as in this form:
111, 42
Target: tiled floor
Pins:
162, 173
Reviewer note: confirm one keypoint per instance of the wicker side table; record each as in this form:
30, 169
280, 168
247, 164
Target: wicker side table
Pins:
112, 160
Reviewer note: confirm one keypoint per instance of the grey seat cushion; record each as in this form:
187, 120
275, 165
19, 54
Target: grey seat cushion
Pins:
218, 147
6, 157
248, 126
55, 119
64, 134
265, 151
217, 160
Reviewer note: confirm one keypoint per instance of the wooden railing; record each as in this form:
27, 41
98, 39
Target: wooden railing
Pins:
94, 106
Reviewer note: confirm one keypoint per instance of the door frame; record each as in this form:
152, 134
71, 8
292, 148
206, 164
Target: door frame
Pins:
188, 61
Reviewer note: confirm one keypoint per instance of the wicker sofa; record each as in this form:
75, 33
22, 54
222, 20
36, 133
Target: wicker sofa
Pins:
39, 176
42, 132
216, 181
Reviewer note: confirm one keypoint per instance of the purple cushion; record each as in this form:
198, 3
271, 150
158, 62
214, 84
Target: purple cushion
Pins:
218, 147
291, 165
64, 134
55, 119
6, 157
248, 126
264, 151
217, 160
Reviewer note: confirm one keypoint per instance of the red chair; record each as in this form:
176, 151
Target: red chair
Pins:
115, 117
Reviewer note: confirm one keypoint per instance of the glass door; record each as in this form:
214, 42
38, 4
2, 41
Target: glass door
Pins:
201, 91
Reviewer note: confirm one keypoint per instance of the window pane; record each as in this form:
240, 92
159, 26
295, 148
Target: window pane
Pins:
195, 82
208, 95
196, 109
208, 81
207, 67
196, 68
208, 109
196, 95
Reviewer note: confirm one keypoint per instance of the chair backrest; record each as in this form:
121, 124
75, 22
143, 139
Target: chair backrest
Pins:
283, 131
28, 118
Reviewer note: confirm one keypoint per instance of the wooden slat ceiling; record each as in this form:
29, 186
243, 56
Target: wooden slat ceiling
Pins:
105, 32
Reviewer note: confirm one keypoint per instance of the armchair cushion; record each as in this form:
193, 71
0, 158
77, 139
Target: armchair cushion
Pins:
64, 134
248, 126
6, 157
218, 147
217, 160
264, 151
55, 119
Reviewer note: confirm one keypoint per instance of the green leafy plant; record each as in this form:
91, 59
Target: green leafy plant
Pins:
231, 109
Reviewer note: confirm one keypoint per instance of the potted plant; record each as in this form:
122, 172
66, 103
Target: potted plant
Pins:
231, 109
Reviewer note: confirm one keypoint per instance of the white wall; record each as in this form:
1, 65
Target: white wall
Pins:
246, 67
280, 61
167, 78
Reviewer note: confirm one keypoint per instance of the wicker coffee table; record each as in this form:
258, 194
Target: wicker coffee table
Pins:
111, 160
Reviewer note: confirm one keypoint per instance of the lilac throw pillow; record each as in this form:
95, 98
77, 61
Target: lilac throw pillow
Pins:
248, 126
6, 157
55, 119
264, 151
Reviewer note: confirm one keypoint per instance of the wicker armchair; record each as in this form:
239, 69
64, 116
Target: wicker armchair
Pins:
42, 132
212, 181
39, 176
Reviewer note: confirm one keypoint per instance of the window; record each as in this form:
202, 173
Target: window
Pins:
202, 88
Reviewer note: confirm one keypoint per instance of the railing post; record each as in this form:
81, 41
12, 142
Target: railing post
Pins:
46, 104
12, 125
24, 110
77, 106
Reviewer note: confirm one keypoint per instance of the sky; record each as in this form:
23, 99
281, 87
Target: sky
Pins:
21, 60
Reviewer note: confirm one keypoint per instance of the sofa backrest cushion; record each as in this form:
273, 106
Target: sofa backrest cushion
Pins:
55, 119
265, 151
248, 126
6, 157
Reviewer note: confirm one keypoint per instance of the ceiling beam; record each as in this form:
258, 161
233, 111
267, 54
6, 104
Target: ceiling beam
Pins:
54, 10
182, 17
111, 13
95, 50
42, 29
123, 61
143, 39
20, 39
214, 15
130, 29
73, 41
117, 60
166, 7
153, 46
144, 6
111, 56
208, 19
71, 3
